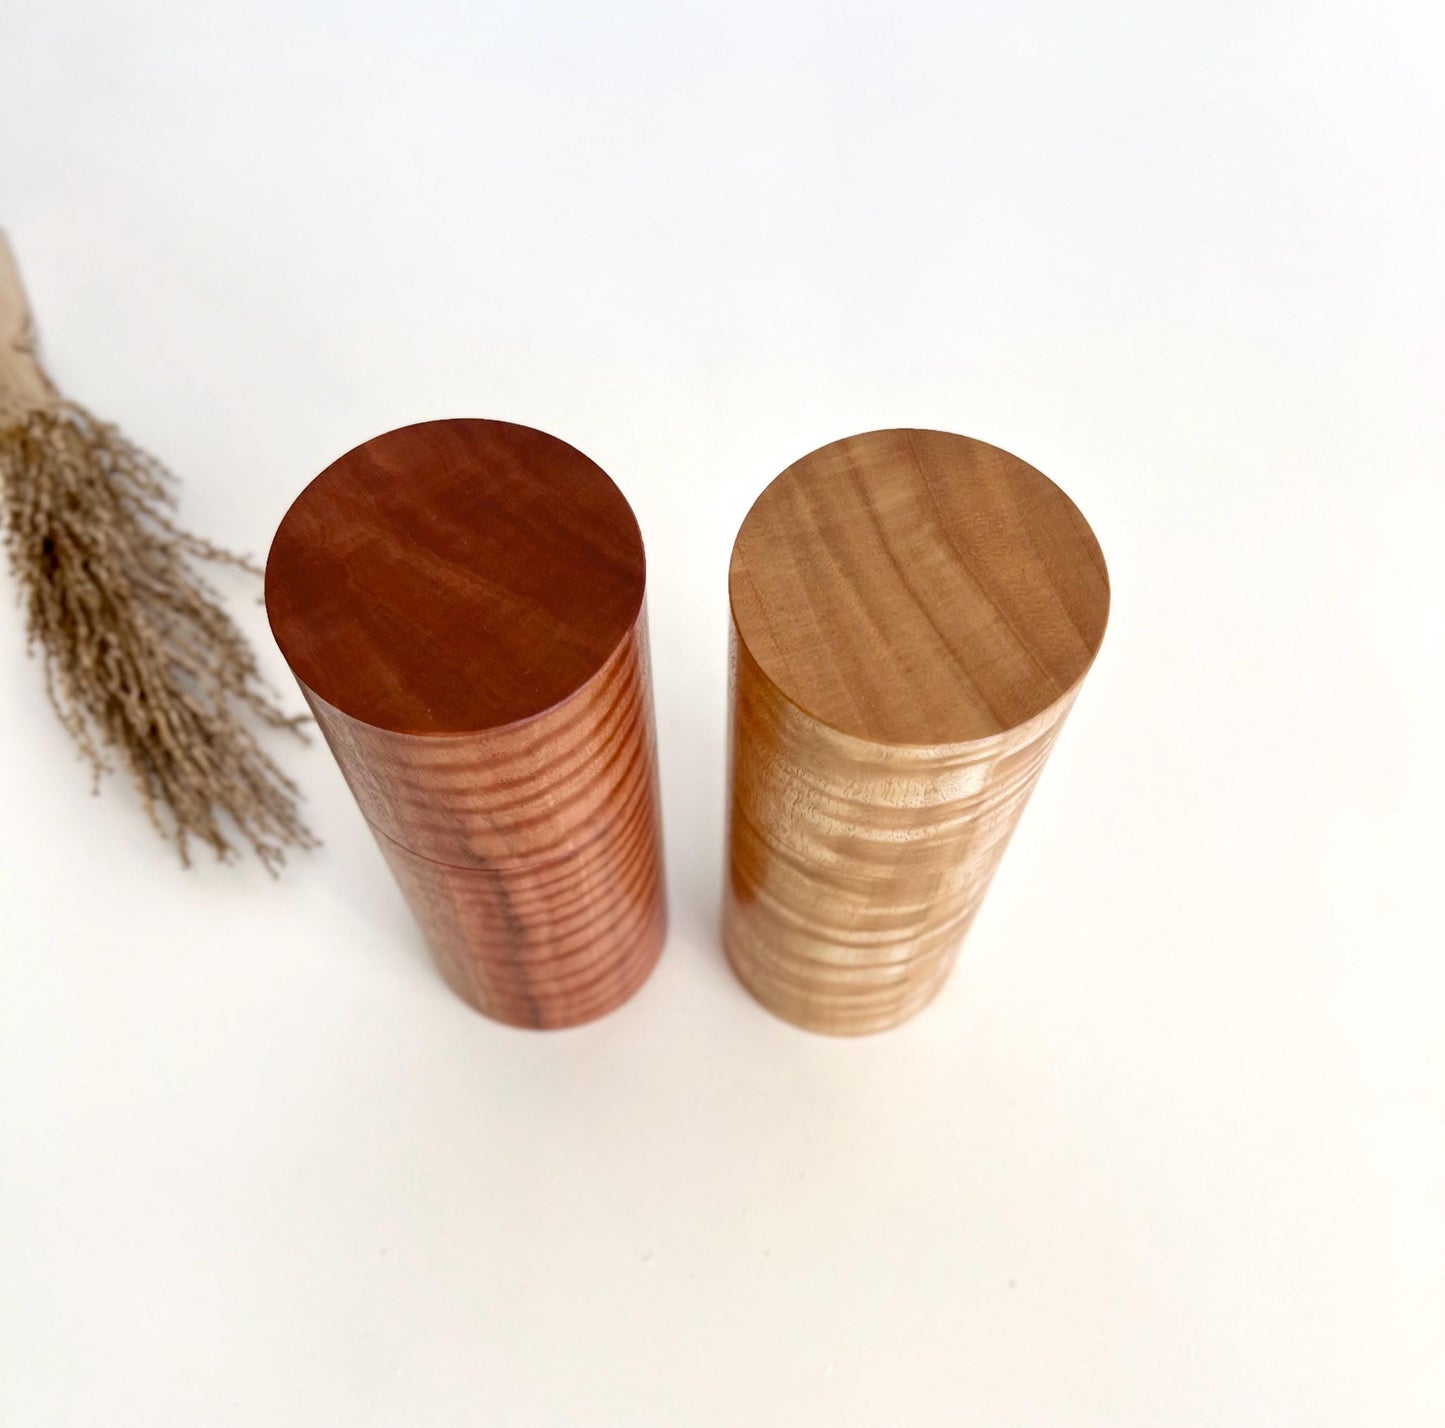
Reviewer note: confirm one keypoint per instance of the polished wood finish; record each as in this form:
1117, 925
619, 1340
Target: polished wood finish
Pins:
462, 605
454, 576
912, 615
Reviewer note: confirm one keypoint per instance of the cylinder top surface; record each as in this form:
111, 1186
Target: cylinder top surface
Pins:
454, 576
918, 588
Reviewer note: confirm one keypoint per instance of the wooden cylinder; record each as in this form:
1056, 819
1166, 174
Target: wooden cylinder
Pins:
462, 603
912, 615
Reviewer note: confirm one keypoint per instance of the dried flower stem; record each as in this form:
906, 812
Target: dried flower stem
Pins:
140, 657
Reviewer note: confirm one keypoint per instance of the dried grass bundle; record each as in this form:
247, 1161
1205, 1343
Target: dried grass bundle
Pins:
140, 657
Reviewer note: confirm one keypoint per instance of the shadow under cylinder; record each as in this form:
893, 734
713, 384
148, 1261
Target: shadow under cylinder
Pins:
462, 604
912, 615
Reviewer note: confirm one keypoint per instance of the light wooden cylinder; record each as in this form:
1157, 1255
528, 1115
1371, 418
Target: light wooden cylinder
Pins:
912, 615
462, 603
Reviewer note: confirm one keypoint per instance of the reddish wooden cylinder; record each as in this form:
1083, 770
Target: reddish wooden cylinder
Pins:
462, 603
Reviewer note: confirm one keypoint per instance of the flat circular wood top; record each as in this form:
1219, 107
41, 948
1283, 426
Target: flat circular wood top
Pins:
454, 576
918, 588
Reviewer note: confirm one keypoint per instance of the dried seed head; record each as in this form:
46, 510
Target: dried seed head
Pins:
140, 657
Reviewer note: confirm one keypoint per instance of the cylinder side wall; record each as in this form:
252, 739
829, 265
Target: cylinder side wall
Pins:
855, 868
531, 855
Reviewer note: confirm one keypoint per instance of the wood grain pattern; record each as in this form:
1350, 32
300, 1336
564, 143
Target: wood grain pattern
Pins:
454, 576
913, 614
482, 678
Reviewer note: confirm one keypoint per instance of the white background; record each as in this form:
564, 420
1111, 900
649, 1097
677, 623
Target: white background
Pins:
1170, 1150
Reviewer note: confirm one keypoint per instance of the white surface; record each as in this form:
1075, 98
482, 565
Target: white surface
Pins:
1169, 1150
